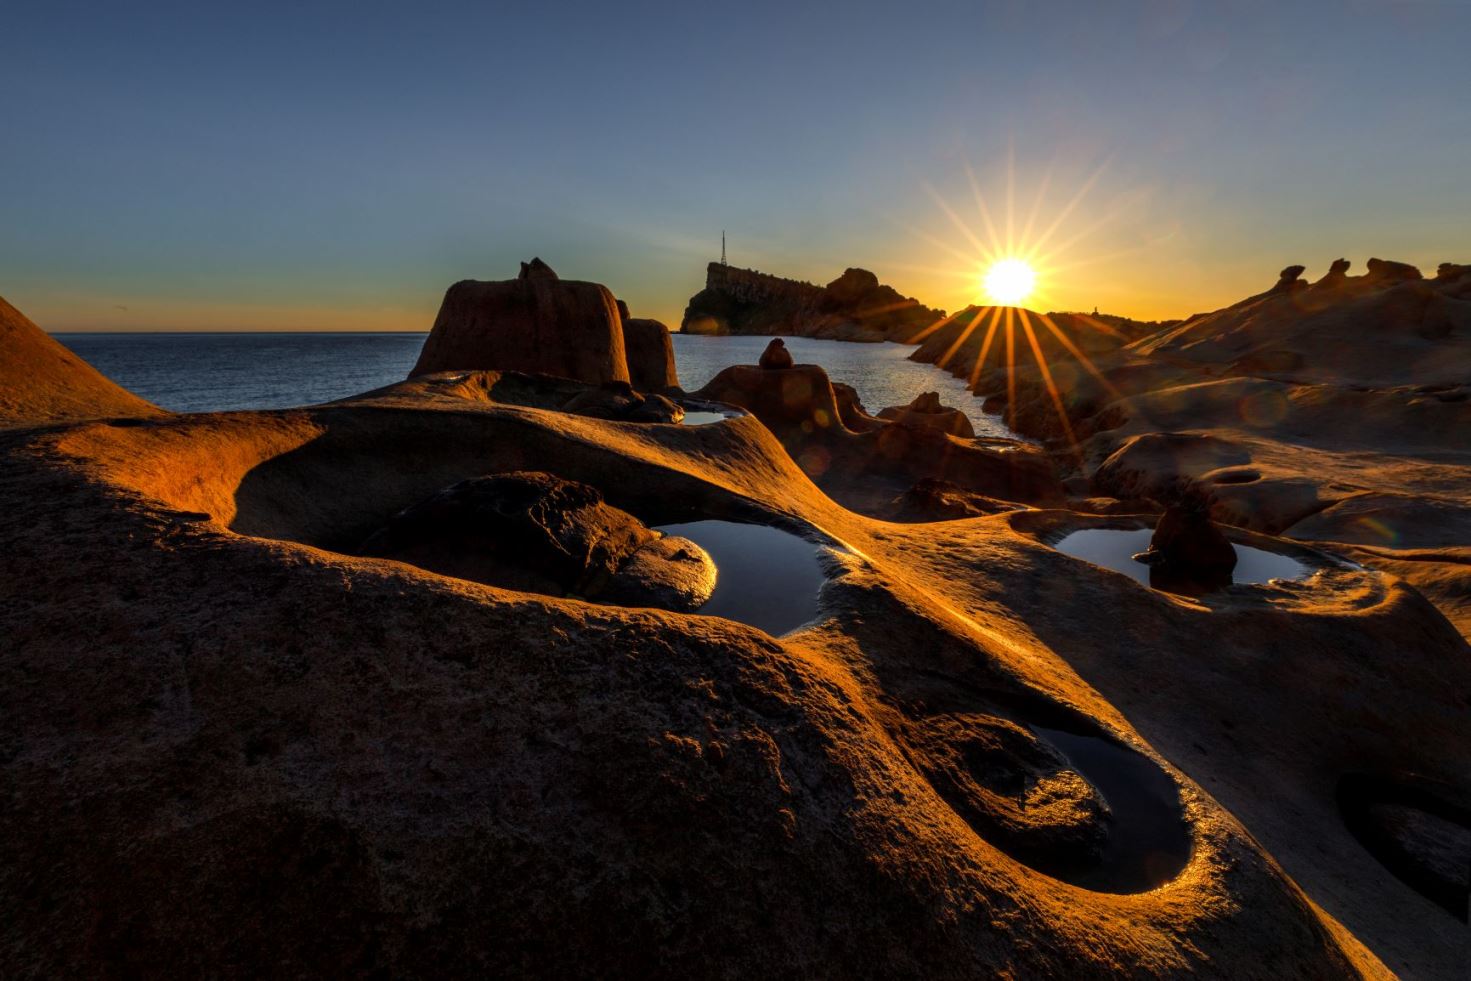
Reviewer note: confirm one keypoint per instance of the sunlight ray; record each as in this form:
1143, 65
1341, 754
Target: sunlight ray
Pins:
1051, 385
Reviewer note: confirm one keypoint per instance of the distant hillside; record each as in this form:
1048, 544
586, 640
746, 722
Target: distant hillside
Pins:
853, 307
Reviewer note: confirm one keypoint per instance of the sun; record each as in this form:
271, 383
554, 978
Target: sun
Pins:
1009, 281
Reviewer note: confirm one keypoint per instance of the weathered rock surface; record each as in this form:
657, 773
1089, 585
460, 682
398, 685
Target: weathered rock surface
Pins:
42, 382
248, 752
536, 323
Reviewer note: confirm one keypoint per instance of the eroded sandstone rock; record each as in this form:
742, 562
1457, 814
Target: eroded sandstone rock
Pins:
926, 410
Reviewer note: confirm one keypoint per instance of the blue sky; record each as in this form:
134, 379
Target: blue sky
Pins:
330, 166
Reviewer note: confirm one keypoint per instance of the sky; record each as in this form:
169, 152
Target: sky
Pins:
324, 166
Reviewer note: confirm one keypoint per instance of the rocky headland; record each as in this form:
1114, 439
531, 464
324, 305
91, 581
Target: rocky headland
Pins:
853, 307
413, 684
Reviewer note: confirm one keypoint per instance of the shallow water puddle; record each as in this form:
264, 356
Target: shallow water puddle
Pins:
1115, 548
765, 577
1148, 840
702, 418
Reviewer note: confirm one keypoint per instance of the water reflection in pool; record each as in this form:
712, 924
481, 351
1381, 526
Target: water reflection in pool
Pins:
1148, 840
765, 577
1115, 548
701, 418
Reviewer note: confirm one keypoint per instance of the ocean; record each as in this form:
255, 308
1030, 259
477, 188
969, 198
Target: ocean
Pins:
203, 372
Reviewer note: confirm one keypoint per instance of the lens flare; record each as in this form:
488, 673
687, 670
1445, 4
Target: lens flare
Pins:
1009, 282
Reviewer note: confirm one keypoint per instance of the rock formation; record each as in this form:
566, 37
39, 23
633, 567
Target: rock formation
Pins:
854, 307
866, 469
650, 352
42, 382
534, 323
776, 357
1188, 545
926, 410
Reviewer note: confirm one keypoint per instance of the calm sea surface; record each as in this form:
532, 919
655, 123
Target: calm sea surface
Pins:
212, 372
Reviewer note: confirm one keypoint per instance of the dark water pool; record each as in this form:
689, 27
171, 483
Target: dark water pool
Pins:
1148, 840
765, 577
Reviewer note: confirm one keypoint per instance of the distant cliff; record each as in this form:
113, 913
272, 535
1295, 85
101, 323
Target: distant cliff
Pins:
853, 307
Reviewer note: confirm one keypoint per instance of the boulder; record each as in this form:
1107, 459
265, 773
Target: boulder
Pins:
1188, 545
537, 532
926, 410
776, 356
650, 352
535, 323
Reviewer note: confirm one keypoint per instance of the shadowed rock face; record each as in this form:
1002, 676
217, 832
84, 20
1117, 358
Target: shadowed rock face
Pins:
853, 307
535, 323
650, 352
867, 469
41, 381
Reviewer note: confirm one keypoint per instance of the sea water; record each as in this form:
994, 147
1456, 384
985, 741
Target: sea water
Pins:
209, 372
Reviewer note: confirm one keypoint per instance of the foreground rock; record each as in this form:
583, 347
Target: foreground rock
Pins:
42, 382
248, 752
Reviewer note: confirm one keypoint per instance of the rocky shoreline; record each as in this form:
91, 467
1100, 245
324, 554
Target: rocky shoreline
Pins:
409, 684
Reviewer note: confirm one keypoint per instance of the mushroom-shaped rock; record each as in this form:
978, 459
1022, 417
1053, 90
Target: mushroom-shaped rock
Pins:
537, 532
1448, 271
650, 351
1336, 275
1288, 279
776, 356
535, 323
926, 410
618, 400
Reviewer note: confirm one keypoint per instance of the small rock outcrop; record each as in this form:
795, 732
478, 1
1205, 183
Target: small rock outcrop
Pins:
1388, 271
776, 356
1336, 275
926, 410
539, 533
1188, 545
650, 352
536, 323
